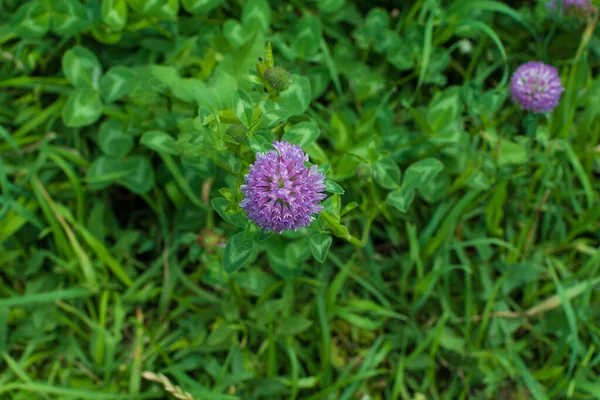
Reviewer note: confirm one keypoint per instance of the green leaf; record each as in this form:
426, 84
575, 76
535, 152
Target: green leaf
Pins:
435, 189
274, 117
234, 32
104, 171
333, 223
378, 20
374, 32
146, 7
256, 15
228, 194
185, 89
419, 173
237, 219
401, 199
237, 252
319, 246
103, 34
302, 134
478, 180
291, 326
340, 130
264, 235
112, 140
83, 108
160, 141
37, 17
135, 173
230, 160
69, 17
243, 107
399, 54
235, 66
387, 173
451, 341
200, 6
511, 153
117, 83
333, 187
5, 134
296, 98
307, 38
360, 322
349, 207
32, 19
203, 166
114, 14
81, 67
295, 253
323, 168
140, 178
259, 144
445, 108
494, 209
169, 10
329, 6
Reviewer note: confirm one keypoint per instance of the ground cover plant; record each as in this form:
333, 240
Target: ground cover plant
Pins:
336, 199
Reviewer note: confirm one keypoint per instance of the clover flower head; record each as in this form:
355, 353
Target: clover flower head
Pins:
536, 87
577, 8
281, 193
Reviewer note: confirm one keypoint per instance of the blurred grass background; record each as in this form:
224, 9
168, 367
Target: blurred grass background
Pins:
483, 285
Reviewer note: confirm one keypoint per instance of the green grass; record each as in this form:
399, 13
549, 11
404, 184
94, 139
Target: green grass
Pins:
458, 255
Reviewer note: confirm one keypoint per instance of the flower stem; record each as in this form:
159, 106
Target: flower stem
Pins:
340, 230
351, 239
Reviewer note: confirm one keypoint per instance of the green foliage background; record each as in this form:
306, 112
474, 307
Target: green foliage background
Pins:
457, 257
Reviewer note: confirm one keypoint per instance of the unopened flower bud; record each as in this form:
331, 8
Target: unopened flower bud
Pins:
580, 9
237, 132
363, 172
278, 78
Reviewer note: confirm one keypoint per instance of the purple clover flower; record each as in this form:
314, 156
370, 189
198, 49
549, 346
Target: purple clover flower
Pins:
578, 8
536, 87
281, 192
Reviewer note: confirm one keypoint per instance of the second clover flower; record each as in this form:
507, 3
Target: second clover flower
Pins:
536, 87
577, 8
281, 193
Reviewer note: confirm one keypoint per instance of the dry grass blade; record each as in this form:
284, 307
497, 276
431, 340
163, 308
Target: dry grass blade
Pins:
175, 390
547, 305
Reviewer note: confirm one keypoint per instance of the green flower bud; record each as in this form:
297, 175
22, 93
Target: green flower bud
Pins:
363, 172
278, 78
237, 132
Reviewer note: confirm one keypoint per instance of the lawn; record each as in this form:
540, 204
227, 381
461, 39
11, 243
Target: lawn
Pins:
325, 199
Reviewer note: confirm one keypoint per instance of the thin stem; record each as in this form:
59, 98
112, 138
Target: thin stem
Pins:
351, 239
